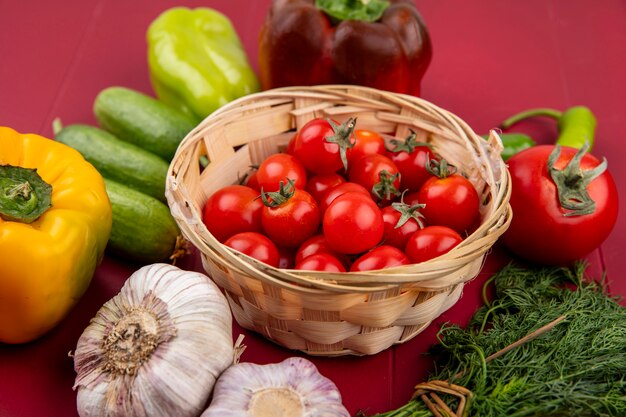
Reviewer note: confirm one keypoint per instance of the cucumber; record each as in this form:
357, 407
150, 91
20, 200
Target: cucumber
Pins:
141, 120
117, 160
143, 229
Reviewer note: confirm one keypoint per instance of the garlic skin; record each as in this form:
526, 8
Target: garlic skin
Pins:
156, 348
291, 388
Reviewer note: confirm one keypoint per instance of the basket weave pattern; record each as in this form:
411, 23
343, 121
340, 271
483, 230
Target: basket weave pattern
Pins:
323, 313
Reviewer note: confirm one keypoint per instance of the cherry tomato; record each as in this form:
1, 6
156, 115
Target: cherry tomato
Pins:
280, 167
378, 174
451, 200
316, 244
401, 221
287, 257
322, 145
542, 229
353, 223
380, 257
430, 242
411, 157
289, 217
252, 180
367, 142
321, 262
232, 209
338, 190
318, 185
255, 245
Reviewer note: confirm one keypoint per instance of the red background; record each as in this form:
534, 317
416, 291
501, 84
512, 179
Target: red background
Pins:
492, 58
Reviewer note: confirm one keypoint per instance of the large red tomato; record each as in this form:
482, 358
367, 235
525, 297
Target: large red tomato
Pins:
232, 209
289, 217
353, 223
322, 145
544, 230
345, 187
280, 167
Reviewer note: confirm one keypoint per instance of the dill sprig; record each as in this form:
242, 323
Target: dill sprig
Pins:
575, 369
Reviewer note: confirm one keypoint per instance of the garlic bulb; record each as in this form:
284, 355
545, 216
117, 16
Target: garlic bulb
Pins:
156, 348
291, 388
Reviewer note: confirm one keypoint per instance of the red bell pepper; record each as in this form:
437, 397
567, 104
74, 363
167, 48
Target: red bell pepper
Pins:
375, 43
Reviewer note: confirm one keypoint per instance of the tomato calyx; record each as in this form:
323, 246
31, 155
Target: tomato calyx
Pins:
407, 145
408, 212
572, 182
440, 168
280, 197
385, 189
343, 133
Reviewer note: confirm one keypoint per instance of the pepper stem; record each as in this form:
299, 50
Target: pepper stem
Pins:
571, 182
516, 118
24, 195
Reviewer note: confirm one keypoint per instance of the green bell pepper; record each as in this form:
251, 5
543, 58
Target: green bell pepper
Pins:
197, 62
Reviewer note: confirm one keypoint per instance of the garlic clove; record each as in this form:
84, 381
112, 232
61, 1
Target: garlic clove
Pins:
156, 348
293, 387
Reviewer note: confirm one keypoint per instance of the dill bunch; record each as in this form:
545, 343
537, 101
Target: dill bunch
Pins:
576, 368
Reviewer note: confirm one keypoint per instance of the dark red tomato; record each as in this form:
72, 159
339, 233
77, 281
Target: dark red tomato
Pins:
252, 180
255, 245
281, 167
290, 145
451, 201
321, 262
316, 244
542, 230
380, 257
367, 142
318, 185
353, 223
430, 242
291, 221
232, 209
378, 174
320, 143
398, 231
333, 193
411, 158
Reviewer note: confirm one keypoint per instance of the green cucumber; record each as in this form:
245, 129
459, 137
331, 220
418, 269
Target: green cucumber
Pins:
141, 120
143, 229
117, 160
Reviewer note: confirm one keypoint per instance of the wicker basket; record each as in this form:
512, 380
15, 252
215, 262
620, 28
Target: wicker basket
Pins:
323, 313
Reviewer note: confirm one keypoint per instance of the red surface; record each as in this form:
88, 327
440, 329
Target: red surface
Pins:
491, 58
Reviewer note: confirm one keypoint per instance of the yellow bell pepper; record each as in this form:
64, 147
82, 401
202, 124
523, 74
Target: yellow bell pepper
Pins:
55, 221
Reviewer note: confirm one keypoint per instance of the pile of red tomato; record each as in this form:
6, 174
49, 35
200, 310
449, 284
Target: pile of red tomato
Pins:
342, 199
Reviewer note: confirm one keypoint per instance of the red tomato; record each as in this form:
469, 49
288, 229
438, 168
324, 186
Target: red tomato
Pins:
401, 221
380, 257
290, 145
367, 142
286, 257
378, 174
290, 218
353, 223
321, 262
430, 242
255, 245
411, 158
252, 180
318, 185
451, 200
320, 143
316, 244
232, 209
280, 167
542, 230
333, 193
